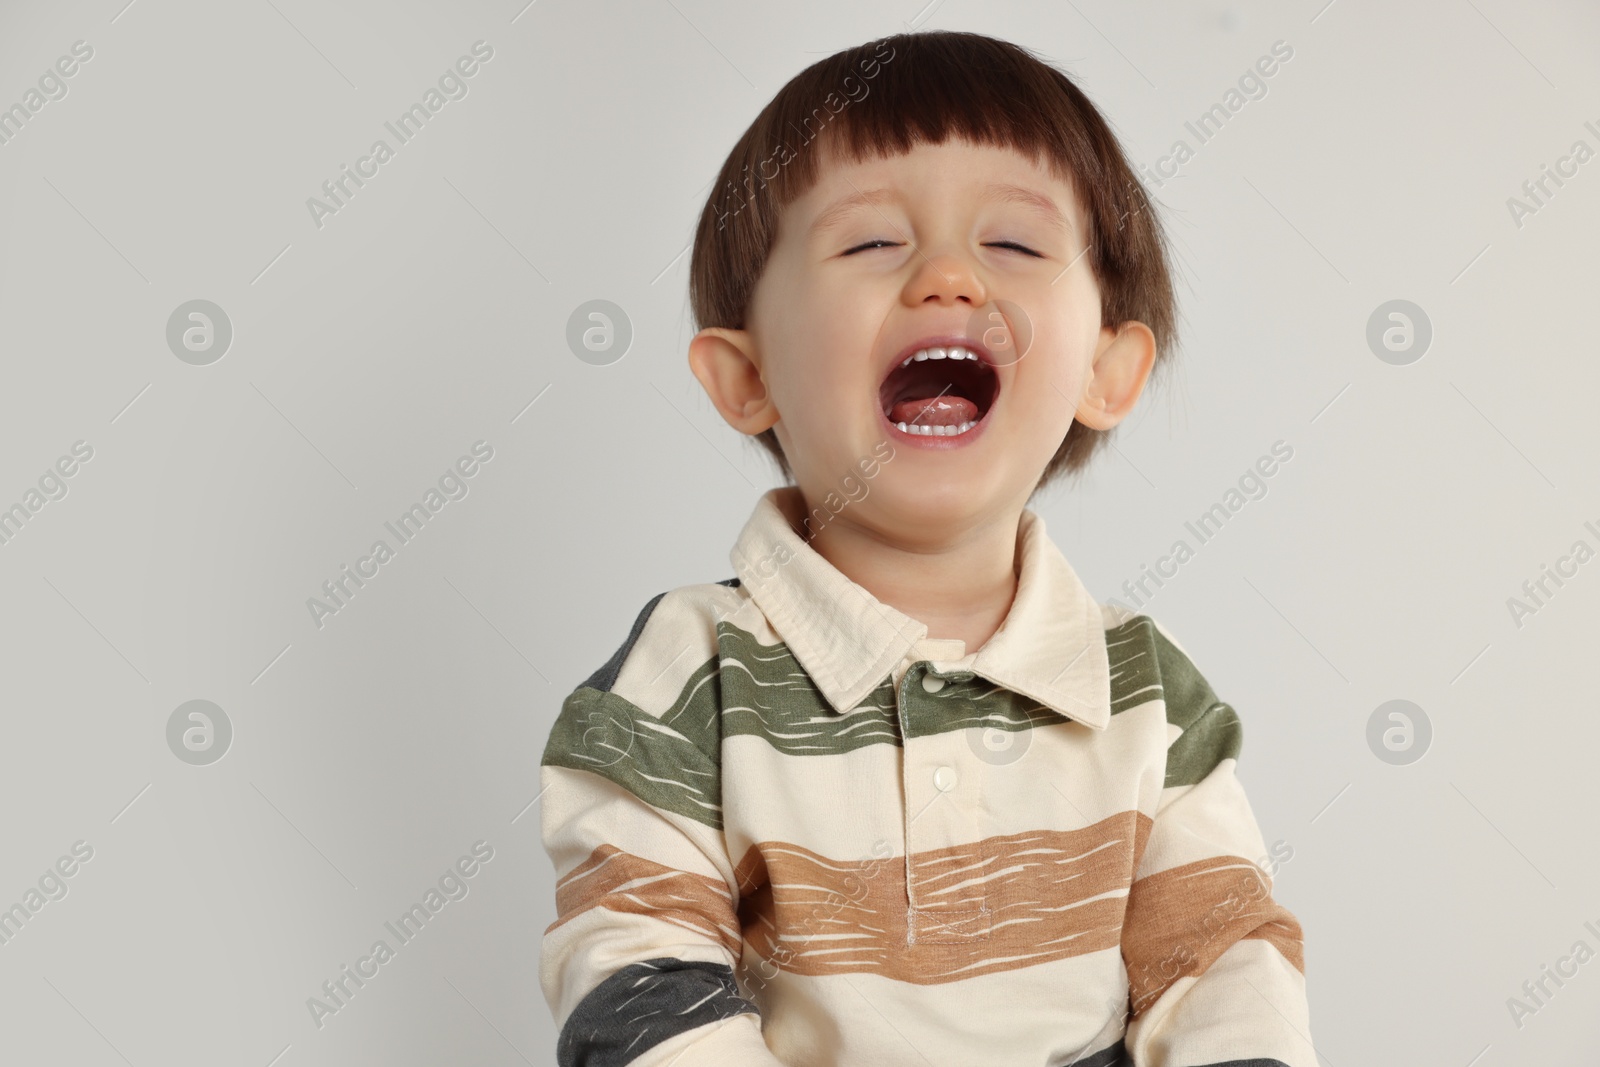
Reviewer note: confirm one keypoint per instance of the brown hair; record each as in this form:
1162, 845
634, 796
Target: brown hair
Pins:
884, 97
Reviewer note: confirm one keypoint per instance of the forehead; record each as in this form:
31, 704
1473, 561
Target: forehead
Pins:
955, 169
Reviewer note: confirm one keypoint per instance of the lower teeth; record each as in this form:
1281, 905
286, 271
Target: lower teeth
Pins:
936, 431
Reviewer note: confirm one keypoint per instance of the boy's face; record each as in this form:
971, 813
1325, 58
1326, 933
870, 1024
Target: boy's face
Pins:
967, 246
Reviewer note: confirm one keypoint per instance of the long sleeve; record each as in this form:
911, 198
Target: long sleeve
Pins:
638, 966
1216, 967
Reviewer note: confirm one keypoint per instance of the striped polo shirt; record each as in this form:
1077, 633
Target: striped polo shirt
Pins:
788, 827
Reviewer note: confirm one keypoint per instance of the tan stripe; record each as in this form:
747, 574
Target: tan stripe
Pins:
620, 881
994, 905
1181, 919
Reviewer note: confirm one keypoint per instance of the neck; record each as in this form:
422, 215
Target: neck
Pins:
959, 584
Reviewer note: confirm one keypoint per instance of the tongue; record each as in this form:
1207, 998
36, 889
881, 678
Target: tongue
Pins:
944, 410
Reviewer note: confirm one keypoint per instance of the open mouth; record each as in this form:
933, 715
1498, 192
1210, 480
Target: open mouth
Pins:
939, 392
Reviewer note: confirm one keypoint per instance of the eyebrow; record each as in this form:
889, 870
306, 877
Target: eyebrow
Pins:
1004, 192
1043, 205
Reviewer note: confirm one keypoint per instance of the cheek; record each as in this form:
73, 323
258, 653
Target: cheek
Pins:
1051, 362
801, 392
1051, 377
1071, 333
831, 353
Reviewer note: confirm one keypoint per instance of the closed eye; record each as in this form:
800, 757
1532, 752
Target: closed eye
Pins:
892, 244
868, 244
1019, 248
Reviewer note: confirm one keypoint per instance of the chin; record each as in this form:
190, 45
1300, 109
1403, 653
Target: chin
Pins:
928, 500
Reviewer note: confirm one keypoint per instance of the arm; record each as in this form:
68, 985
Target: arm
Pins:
638, 966
1216, 967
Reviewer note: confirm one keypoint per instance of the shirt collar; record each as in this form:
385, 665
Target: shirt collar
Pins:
1051, 647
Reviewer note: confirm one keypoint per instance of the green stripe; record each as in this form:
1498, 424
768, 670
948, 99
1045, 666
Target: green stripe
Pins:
1135, 671
759, 690
672, 763
968, 701
1215, 736
767, 694
1211, 729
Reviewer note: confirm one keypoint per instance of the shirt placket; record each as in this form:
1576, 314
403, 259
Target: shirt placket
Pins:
946, 872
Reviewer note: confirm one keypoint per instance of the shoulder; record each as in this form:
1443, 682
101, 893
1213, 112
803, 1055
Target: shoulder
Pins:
672, 637
642, 720
647, 705
1147, 663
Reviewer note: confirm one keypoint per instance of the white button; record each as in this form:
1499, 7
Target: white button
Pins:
932, 684
944, 779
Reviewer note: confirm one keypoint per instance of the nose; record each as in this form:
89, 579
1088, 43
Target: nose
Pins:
945, 279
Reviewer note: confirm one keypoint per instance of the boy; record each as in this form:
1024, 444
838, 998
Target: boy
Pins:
901, 791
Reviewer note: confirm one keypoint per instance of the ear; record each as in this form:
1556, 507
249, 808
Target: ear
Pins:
1122, 363
725, 362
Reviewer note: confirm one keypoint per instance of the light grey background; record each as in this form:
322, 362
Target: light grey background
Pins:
430, 313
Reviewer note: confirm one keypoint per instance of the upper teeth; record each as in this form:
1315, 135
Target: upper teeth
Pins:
940, 353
